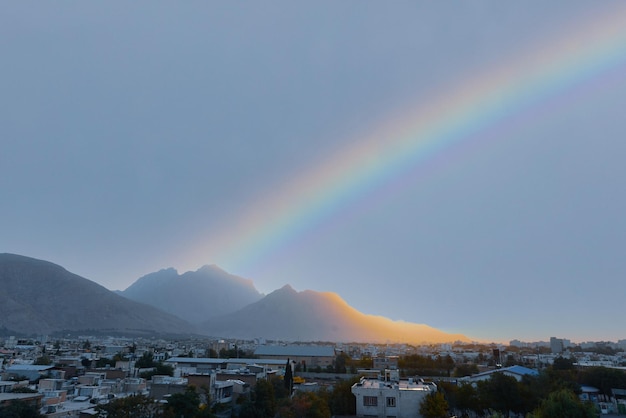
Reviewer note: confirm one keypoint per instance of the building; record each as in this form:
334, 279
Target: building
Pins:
556, 345
307, 356
33, 399
517, 372
390, 398
31, 371
261, 368
383, 363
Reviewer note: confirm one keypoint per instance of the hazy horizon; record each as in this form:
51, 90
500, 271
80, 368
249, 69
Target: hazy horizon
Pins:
454, 165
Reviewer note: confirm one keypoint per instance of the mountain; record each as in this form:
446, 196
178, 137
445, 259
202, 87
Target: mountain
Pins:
318, 316
196, 295
39, 297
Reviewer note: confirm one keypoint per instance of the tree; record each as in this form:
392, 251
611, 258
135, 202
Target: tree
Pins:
139, 406
262, 403
603, 378
564, 404
145, 361
310, 405
159, 369
186, 404
43, 360
288, 378
466, 369
501, 393
341, 400
340, 363
563, 363
19, 409
434, 405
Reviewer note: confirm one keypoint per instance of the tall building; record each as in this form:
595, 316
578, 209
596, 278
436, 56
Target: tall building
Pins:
556, 345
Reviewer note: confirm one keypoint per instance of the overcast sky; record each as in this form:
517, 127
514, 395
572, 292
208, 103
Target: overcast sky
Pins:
137, 136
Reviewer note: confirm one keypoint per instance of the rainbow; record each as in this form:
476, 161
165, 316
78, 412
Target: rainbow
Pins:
530, 79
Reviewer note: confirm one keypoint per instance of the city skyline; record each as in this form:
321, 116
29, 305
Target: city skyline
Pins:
452, 165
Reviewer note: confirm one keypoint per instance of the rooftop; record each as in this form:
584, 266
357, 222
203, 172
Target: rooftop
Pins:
295, 350
400, 385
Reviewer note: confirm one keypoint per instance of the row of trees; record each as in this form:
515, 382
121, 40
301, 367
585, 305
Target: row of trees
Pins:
272, 399
552, 393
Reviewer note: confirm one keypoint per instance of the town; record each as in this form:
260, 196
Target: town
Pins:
95, 376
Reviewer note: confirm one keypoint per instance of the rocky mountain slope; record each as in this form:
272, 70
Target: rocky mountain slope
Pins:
39, 297
196, 295
318, 316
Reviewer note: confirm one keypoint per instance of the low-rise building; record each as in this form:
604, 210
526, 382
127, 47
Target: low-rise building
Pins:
382, 398
307, 356
517, 372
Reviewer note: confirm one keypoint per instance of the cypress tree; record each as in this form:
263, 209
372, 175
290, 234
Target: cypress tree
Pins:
288, 377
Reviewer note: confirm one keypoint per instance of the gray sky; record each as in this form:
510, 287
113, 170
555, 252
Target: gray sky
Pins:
134, 135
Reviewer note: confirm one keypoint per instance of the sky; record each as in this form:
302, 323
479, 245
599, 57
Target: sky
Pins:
456, 164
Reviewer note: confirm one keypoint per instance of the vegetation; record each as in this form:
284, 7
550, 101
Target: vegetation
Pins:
564, 404
19, 409
434, 405
415, 364
552, 393
44, 360
131, 406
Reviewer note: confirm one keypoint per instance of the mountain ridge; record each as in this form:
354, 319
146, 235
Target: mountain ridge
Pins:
40, 297
286, 314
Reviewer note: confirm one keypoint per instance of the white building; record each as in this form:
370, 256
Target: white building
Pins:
390, 398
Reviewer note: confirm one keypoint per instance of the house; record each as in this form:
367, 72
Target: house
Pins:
33, 399
383, 363
261, 368
31, 371
390, 398
162, 386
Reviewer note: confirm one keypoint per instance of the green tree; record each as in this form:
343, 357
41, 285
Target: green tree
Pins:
434, 405
564, 404
341, 361
19, 409
501, 393
563, 363
310, 405
341, 400
603, 378
43, 360
288, 378
467, 399
159, 369
466, 369
187, 405
262, 402
145, 361
139, 406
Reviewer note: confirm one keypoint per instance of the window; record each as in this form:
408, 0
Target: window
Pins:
370, 401
391, 401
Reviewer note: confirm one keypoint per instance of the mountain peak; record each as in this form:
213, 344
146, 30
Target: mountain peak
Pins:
42, 297
195, 295
286, 314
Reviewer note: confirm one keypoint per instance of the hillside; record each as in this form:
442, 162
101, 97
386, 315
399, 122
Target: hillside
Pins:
318, 316
195, 295
39, 297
